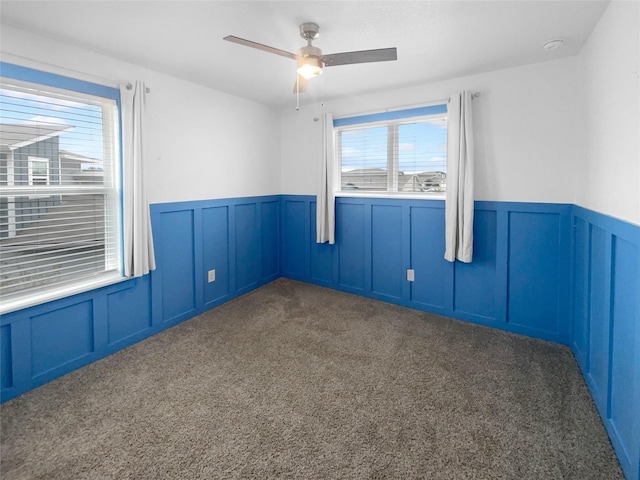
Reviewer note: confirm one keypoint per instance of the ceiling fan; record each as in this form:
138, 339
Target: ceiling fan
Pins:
310, 59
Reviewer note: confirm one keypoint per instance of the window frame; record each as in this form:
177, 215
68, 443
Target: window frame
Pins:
17, 73
38, 176
392, 119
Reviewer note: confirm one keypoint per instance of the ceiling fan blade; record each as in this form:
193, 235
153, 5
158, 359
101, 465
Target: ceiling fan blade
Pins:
259, 46
362, 56
300, 85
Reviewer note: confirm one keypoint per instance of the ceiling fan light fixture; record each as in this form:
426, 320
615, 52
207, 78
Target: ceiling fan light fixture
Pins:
311, 61
309, 67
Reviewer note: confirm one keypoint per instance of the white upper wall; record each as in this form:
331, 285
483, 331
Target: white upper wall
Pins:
201, 143
562, 131
608, 168
525, 131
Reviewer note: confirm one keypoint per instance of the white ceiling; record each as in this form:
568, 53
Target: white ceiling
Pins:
436, 40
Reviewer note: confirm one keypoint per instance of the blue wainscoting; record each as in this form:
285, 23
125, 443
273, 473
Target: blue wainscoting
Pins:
239, 238
552, 271
46, 341
606, 325
555, 272
518, 281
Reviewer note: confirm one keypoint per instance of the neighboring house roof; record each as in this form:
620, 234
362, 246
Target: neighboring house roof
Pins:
375, 171
18, 135
365, 171
68, 156
429, 173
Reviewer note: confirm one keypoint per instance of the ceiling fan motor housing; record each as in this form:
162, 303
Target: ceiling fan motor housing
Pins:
309, 55
309, 31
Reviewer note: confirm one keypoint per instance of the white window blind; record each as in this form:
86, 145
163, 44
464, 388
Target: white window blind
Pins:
398, 151
59, 187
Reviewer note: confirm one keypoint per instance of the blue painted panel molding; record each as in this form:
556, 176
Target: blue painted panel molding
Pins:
556, 272
606, 325
519, 280
41, 343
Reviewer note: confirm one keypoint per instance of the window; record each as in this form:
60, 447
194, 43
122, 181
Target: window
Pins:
60, 218
400, 151
38, 171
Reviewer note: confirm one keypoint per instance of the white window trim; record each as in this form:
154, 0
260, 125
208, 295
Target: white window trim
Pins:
73, 288
405, 195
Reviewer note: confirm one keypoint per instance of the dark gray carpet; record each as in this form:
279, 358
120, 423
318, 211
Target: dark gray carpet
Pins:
297, 381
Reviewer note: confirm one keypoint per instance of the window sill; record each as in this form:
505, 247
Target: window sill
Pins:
33, 299
406, 195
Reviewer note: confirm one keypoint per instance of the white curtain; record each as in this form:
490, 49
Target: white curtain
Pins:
459, 200
139, 257
326, 202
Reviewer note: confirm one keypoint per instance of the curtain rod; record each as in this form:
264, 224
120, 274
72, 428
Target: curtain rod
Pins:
58, 70
130, 86
400, 107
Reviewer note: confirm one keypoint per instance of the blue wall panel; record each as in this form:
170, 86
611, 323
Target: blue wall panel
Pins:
581, 292
599, 314
177, 269
247, 259
294, 238
624, 394
61, 336
387, 274
321, 254
6, 362
534, 259
433, 274
270, 226
606, 339
215, 251
350, 227
475, 282
128, 310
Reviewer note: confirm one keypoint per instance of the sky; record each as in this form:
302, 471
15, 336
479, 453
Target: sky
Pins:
22, 107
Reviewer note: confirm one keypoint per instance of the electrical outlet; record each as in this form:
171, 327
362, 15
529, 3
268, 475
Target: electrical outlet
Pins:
410, 275
211, 276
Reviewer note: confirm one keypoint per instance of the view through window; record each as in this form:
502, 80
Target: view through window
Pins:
59, 186
399, 151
